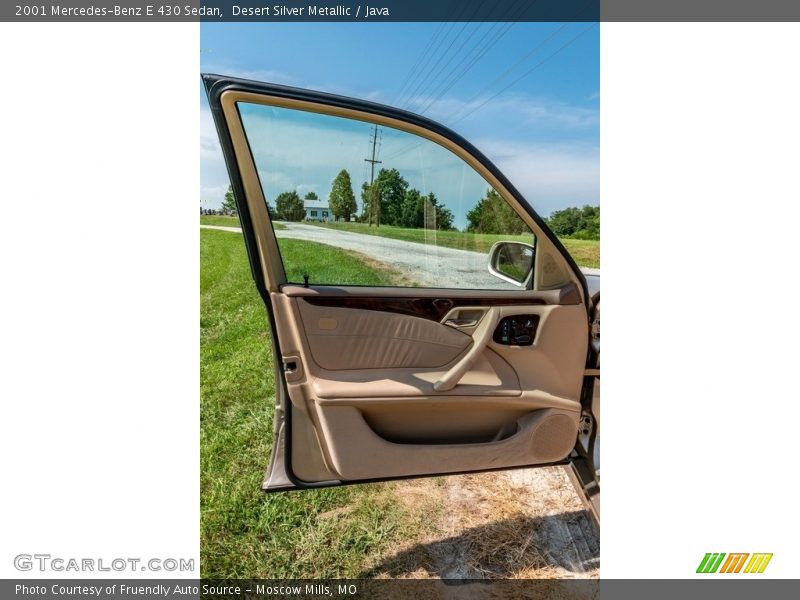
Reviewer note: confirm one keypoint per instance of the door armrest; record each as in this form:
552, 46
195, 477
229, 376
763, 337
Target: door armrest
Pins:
480, 339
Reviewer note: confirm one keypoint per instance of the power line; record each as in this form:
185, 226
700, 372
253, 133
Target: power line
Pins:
423, 79
442, 35
519, 61
452, 78
523, 58
455, 53
414, 144
446, 83
411, 71
528, 72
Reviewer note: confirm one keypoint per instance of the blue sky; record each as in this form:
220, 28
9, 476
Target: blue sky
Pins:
543, 131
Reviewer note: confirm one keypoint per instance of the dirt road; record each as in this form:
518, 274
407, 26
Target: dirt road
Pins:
426, 264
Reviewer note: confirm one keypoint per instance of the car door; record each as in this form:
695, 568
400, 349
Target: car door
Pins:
441, 328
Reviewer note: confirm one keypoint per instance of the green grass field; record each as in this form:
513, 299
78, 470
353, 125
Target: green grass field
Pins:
244, 532
326, 263
222, 220
585, 252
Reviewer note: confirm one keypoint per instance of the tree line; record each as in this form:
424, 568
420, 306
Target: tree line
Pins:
492, 214
578, 223
390, 200
341, 201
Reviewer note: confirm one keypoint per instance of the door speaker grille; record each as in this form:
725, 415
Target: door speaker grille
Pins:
553, 437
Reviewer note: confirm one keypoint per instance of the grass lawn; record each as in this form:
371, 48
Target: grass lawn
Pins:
224, 221
327, 263
245, 533
585, 252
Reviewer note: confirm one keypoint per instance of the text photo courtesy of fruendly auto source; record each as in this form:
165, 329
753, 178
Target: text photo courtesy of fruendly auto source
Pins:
400, 296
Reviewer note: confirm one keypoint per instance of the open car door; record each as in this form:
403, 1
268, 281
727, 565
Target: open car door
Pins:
445, 332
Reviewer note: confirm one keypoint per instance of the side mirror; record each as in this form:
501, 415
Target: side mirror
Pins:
512, 262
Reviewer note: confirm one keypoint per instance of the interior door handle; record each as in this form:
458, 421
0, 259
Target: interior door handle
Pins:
480, 338
461, 322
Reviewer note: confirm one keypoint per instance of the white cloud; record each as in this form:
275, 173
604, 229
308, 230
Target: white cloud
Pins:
550, 176
274, 182
213, 173
212, 196
209, 140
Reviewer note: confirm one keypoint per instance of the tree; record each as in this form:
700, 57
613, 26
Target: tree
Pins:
444, 217
392, 190
424, 211
574, 222
229, 204
311, 196
412, 211
370, 206
383, 200
341, 200
492, 214
289, 207
565, 222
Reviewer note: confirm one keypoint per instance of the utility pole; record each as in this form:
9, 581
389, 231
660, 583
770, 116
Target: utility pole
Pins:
374, 203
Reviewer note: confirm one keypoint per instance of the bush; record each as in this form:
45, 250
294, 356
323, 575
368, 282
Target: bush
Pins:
289, 207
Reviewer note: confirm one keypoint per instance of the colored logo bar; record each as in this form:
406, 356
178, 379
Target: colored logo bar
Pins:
734, 563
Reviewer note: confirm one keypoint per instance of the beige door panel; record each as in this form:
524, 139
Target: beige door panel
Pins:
346, 338
365, 415
556, 360
309, 461
567, 294
490, 375
357, 452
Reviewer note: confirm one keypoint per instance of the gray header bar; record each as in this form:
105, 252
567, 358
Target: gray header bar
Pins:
398, 10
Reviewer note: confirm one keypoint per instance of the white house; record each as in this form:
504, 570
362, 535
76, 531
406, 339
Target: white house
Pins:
317, 210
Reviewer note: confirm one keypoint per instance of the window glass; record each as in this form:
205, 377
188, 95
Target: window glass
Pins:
356, 204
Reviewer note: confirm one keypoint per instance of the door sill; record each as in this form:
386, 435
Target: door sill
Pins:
587, 487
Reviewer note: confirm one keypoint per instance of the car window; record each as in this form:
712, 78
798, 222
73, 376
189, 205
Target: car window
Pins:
357, 204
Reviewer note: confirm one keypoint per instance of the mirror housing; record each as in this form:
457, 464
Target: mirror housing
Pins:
512, 262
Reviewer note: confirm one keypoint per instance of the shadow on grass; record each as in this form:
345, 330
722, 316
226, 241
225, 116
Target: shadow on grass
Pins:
517, 547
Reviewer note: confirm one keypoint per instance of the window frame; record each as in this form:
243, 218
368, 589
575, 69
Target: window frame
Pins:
266, 262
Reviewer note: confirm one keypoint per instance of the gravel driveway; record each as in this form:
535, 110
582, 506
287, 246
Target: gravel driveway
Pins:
426, 264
